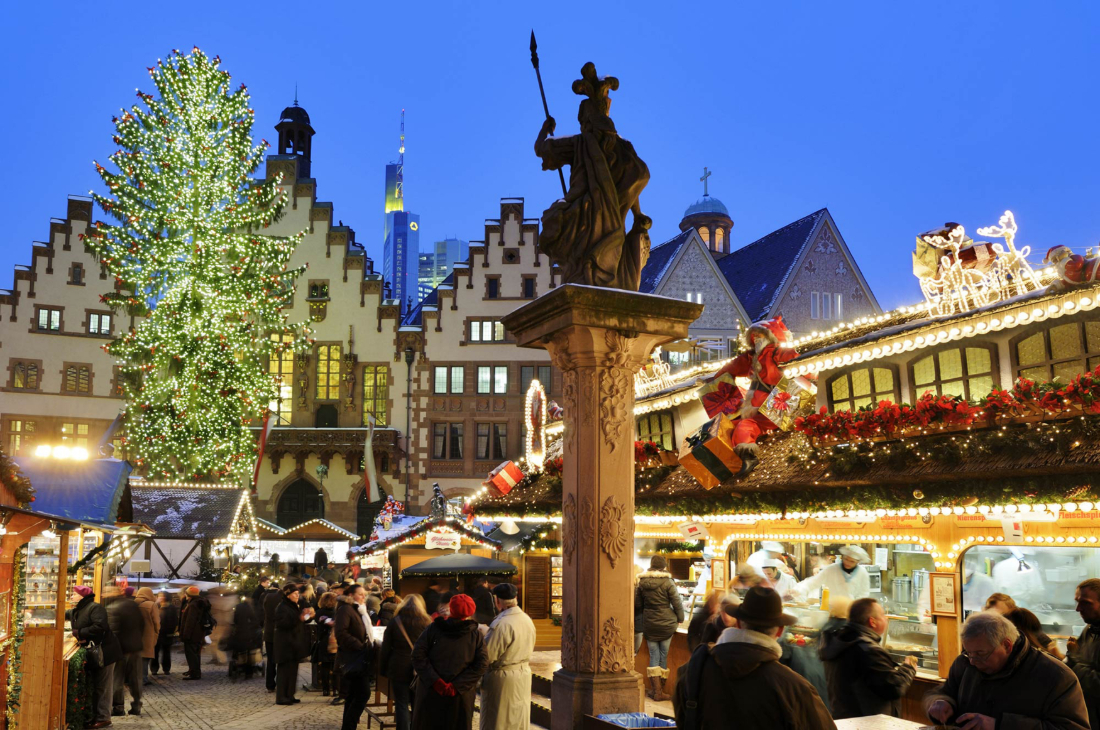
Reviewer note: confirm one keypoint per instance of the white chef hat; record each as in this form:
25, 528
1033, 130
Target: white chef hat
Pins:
856, 553
772, 546
773, 563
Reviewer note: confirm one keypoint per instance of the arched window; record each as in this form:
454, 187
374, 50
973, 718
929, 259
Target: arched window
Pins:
704, 233
854, 389
300, 503
1062, 351
720, 240
966, 372
365, 514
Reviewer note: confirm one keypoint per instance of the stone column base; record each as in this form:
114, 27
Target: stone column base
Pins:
576, 694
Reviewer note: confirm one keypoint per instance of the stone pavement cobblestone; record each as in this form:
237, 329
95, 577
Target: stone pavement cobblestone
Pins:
216, 703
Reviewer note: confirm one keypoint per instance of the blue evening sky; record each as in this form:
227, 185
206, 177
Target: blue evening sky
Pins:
897, 116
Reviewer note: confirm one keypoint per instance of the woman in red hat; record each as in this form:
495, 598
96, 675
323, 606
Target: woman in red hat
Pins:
449, 658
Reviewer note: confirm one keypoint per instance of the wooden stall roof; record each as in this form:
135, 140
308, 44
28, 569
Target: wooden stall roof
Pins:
194, 512
311, 529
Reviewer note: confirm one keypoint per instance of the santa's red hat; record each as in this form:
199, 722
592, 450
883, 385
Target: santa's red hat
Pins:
1057, 254
772, 330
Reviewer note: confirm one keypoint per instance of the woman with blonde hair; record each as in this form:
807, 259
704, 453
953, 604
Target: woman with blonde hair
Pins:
395, 659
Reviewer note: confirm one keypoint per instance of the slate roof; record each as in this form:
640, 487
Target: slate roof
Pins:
186, 512
660, 257
415, 316
758, 271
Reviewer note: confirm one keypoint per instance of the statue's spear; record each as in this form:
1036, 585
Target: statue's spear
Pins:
545, 108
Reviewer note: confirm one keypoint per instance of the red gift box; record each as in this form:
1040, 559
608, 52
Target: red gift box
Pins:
721, 396
505, 476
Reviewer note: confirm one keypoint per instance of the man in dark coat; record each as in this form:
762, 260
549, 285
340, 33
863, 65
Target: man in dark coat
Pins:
741, 680
261, 590
483, 601
320, 560
354, 652
271, 601
90, 624
1084, 652
169, 624
291, 643
192, 632
1000, 681
128, 626
435, 594
245, 638
862, 678
449, 658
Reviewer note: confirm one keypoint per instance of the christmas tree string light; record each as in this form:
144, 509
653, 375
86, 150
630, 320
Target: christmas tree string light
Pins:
189, 256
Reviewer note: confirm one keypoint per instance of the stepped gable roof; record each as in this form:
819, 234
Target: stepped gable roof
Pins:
707, 204
758, 271
415, 316
660, 258
186, 512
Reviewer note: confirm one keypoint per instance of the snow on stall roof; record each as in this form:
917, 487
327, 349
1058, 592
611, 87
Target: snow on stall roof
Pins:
183, 512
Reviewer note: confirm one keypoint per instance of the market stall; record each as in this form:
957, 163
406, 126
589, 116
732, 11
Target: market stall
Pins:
67, 541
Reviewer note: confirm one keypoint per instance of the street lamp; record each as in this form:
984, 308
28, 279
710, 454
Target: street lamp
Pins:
410, 356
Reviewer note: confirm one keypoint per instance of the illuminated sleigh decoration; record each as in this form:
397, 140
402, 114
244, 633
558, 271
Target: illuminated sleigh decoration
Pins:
958, 274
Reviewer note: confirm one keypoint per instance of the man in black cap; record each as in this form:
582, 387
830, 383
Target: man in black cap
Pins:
484, 601
741, 677
506, 687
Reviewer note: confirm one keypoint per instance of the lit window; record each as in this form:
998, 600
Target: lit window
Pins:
328, 372
657, 427
281, 368
78, 379
376, 393
964, 372
1063, 352
25, 375
852, 390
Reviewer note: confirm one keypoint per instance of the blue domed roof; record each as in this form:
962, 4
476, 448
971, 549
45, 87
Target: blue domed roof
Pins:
294, 114
707, 205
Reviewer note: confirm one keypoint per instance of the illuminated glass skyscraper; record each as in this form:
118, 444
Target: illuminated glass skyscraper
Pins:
401, 245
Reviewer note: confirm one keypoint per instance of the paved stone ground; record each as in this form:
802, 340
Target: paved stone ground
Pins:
216, 703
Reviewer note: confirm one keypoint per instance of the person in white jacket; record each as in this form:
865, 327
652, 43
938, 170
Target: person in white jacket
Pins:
846, 578
777, 580
506, 686
769, 550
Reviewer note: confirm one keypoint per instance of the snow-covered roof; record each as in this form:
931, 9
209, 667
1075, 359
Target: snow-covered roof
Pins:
186, 512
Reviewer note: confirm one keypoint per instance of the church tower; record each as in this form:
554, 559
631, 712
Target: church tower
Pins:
709, 216
295, 136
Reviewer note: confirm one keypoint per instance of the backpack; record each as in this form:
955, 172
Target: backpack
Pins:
208, 622
690, 713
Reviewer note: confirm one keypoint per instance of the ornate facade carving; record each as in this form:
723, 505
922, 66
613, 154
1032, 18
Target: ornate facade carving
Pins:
614, 530
615, 396
568, 643
569, 528
614, 656
587, 521
586, 660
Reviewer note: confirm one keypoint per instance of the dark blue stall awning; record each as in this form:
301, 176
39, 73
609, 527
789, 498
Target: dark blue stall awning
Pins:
87, 491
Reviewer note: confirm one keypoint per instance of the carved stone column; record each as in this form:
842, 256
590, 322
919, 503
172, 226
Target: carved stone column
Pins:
598, 338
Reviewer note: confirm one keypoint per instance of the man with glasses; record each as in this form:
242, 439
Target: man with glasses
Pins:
1000, 682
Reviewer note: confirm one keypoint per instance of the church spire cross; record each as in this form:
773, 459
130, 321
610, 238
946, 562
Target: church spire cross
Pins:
703, 179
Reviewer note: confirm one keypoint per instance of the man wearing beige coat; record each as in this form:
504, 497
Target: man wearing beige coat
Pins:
506, 687
147, 602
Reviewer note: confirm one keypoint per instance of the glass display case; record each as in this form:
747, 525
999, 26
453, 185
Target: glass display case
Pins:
1040, 579
42, 577
555, 585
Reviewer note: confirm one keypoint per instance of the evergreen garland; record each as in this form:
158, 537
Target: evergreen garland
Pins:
79, 704
14, 644
14, 481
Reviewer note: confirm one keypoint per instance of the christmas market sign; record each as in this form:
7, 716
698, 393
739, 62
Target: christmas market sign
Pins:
442, 540
373, 562
694, 530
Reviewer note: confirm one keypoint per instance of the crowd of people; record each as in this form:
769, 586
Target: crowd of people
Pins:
1009, 673
438, 649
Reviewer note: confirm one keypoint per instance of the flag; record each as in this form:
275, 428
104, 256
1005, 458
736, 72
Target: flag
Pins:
269, 423
109, 434
373, 492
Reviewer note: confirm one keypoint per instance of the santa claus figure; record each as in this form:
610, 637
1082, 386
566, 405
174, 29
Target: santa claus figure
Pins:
763, 364
1073, 269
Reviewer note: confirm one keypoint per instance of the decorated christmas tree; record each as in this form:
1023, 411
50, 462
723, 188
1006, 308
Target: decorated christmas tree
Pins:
189, 255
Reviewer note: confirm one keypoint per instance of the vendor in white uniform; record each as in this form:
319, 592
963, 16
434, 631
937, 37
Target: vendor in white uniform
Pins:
846, 578
777, 579
769, 550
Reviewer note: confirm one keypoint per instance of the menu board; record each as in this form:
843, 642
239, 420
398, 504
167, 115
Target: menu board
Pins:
942, 593
718, 574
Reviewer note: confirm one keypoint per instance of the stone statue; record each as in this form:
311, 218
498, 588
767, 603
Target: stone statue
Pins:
585, 233
439, 502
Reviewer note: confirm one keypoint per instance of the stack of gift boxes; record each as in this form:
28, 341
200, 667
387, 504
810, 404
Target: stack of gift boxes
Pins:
708, 454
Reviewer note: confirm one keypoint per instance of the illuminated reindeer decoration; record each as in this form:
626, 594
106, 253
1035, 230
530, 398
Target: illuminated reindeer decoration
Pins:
958, 274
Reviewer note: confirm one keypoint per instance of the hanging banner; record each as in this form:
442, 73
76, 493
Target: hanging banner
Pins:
694, 530
442, 541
